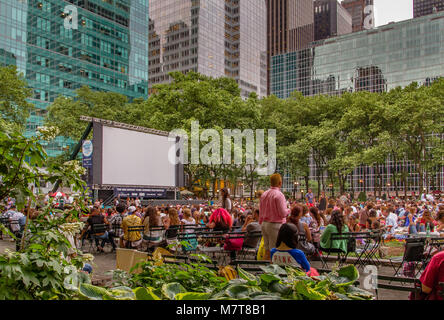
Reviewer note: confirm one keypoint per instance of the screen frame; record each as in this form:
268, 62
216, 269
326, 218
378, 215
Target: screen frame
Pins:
99, 124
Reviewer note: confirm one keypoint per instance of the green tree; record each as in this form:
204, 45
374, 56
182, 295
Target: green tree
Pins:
14, 93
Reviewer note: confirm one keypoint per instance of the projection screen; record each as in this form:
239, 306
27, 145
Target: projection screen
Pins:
125, 157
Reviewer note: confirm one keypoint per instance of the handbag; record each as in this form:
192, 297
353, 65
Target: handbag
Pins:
307, 247
233, 244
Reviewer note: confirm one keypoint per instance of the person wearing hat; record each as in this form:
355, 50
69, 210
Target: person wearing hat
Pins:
131, 220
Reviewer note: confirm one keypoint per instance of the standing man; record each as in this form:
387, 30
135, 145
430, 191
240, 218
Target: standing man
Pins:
310, 198
273, 213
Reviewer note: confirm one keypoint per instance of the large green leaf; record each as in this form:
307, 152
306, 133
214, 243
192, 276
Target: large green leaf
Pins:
238, 291
345, 276
122, 293
301, 288
251, 278
268, 278
358, 292
274, 269
145, 294
192, 296
170, 290
93, 292
280, 288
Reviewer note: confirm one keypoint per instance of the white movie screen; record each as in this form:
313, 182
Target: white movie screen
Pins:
135, 158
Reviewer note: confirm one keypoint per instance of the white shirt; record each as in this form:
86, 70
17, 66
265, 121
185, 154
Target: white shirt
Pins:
392, 220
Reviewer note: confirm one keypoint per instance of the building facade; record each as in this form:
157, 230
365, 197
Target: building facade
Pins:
290, 27
375, 60
362, 14
215, 38
60, 46
330, 19
425, 7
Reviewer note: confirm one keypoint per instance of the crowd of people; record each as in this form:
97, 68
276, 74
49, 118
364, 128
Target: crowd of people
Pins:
291, 231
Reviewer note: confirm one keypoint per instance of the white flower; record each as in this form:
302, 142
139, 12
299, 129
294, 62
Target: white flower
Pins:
48, 133
75, 167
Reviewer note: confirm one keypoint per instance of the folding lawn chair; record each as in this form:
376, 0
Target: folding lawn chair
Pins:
413, 253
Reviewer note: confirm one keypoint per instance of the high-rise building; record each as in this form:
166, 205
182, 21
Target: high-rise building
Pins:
290, 27
376, 60
330, 19
213, 37
425, 7
362, 14
60, 46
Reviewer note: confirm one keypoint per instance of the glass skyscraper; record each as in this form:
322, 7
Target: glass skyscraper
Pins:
60, 46
213, 37
374, 60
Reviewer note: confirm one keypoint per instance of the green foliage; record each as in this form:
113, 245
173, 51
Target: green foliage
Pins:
275, 284
362, 197
14, 93
194, 277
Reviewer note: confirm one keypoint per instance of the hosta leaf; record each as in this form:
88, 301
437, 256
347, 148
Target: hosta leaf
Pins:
355, 291
346, 276
269, 278
171, 289
251, 278
280, 288
274, 269
122, 293
237, 291
93, 292
192, 296
145, 294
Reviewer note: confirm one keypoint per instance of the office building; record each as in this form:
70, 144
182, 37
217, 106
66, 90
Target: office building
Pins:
290, 27
60, 46
376, 60
213, 37
330, 19
362, 14
425, 7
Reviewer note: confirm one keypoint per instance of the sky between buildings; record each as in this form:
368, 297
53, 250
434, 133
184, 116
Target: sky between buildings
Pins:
392, 10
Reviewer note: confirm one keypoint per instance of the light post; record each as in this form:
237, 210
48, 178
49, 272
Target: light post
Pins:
388, 190
242, 190
295, 186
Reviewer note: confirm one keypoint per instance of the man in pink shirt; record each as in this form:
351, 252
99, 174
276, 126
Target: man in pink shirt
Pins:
273, 213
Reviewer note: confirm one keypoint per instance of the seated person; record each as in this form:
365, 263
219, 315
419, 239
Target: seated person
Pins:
440, 220
172, 225
391, 222
97, 218
432, 278
336, 225
220, 220
252, 225
135, 238
151, 220
286, 254
425, 220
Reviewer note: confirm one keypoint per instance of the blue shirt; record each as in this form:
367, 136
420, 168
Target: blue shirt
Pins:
309, 197
294, 258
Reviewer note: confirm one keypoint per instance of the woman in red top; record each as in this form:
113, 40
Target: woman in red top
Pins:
432, 279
